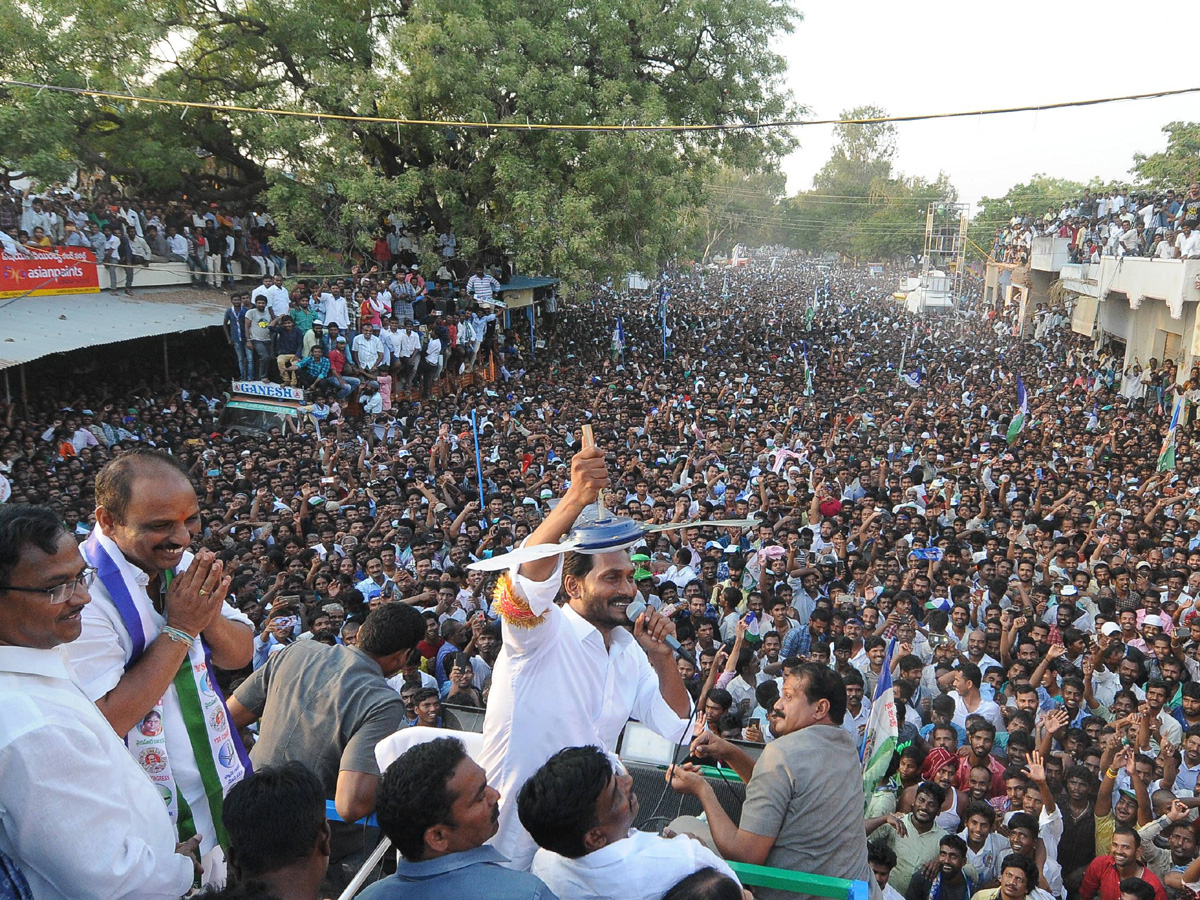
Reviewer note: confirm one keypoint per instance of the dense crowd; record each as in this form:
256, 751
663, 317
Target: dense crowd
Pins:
378, 330
1030, 592
1116, 223
216, 242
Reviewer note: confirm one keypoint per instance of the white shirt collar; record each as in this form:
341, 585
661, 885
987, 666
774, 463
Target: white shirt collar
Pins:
128, 570
606, 855
50, 663
585, 631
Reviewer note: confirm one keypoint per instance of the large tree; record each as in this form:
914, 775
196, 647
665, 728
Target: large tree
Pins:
1042, 193
1176, 166
739, 207
859, 204
562, 201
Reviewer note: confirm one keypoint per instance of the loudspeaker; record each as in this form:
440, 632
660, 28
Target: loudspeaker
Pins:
658, 804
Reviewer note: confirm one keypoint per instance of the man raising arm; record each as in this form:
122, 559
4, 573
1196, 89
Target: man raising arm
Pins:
577, 661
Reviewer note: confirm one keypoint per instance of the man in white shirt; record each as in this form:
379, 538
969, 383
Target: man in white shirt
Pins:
177, 246
336, 309
369, 352
111, 256
264, 290
882, 859
968, 701
1166, 247
405, 347
157, 624
580, 808
278, 297
1188, 242
57, 752
431, 363
572, 675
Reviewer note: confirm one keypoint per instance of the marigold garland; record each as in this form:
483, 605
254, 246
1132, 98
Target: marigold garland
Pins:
511, 606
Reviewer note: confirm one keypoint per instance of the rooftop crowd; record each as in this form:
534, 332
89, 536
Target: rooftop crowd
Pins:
1114, 223
1038, 596
218, 243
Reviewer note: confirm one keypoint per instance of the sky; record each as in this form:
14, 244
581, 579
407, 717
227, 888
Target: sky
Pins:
847, 54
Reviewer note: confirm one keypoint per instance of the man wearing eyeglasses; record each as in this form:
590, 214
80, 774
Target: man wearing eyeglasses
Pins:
57, 752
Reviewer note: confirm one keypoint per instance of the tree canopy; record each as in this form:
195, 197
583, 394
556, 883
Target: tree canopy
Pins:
1176, 166
859, 204
565, 202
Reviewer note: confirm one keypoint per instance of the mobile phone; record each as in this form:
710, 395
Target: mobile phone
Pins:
212, 473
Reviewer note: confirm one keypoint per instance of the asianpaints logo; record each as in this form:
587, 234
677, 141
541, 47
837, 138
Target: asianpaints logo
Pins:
46, 274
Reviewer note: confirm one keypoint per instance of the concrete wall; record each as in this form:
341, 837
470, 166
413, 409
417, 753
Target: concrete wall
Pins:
1170, 280
1049, 253
1080, 278
1151, 330
167, 274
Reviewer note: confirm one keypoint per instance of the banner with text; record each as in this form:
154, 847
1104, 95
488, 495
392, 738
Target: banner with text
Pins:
66, 270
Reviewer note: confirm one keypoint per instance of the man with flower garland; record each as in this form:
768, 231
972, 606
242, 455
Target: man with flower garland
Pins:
576, 659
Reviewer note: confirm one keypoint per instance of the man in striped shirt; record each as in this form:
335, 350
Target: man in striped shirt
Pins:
482, 287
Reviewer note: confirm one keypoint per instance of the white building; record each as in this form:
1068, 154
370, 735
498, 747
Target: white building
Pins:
1145, 306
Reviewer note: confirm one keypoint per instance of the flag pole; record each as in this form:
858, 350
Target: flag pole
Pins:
478, 460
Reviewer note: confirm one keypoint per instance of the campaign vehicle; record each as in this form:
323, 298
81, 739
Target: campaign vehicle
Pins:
257, 407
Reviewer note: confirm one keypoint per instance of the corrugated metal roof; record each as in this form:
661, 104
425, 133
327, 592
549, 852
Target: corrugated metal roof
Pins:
525, 282
33, 327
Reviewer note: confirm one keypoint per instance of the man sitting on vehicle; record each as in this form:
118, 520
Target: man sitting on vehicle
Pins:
436, 806
580, 808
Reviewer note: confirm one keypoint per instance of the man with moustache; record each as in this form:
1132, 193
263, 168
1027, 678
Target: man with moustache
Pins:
77, 815
436, 806
157, 626
578, 659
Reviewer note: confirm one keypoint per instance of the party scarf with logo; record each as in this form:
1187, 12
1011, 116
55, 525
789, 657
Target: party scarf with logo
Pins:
220, 756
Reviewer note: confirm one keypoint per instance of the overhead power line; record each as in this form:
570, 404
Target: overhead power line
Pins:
563, 126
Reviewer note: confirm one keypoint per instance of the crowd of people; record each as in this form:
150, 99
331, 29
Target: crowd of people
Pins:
1116, 223
216, 242
379, 330
1030, 593
125, 233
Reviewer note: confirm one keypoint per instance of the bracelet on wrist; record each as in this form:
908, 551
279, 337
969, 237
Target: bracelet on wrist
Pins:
1111, 773
178, 636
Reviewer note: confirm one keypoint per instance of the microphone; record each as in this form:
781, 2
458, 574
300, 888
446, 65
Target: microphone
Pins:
636, 608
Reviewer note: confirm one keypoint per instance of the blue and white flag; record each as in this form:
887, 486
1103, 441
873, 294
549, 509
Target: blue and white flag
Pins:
1018, 420
882, 728
1166, 456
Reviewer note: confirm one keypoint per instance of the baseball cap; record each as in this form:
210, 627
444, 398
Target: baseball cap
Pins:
1110, 628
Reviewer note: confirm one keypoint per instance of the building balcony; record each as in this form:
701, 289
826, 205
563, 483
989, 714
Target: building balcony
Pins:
1081, 278
1173, 281
1049, 253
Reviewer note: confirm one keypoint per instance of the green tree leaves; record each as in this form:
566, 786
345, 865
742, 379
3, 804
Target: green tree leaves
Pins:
1176, 166
562, 202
